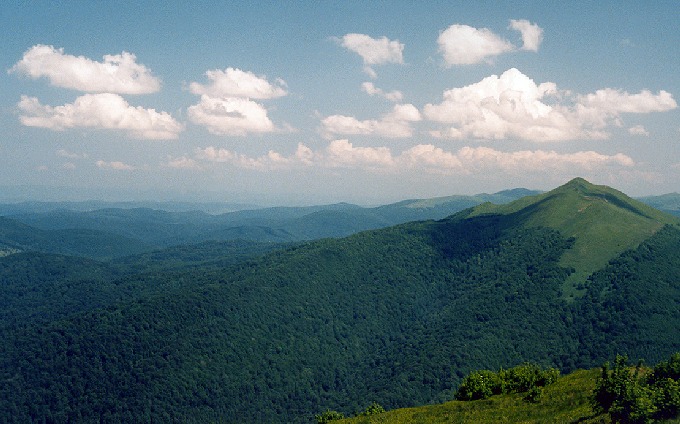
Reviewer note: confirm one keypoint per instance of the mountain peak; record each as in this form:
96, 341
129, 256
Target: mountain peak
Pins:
603, 221
579, 183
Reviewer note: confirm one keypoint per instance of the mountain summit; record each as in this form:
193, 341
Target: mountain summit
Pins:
604, 222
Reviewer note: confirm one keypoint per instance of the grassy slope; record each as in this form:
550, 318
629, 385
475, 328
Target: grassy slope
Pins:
603, 221
565, 401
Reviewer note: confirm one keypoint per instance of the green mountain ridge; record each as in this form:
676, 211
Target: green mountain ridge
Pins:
160, 228
603, 221
396, 315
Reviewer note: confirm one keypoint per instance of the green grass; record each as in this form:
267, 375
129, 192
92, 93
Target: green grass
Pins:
565, 401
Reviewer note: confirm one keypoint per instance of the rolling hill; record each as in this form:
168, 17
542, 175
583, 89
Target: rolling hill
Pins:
395, 315
16, 237
155, 228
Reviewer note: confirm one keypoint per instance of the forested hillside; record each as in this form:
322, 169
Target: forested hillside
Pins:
397, 316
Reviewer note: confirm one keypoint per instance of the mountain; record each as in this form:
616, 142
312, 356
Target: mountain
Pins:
603, 221
29, 207
156, 228
16, 236
395, 315
669, 203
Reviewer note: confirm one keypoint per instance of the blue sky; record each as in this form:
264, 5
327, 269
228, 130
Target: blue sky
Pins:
315, 102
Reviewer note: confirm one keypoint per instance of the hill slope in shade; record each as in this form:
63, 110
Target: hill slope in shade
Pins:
603, 221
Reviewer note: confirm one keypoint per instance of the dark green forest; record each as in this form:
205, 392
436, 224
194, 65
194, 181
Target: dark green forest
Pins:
260, 332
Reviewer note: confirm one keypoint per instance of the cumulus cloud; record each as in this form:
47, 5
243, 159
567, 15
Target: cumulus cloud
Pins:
372, 90
465, 45
100, 111
373, 51
116, 74
423, 158
230, 116
115, 166
395, 124
617, 101
272, 160
638, 130
512, 105
182, 163
341, 153
233, 82
532, 34
226, 107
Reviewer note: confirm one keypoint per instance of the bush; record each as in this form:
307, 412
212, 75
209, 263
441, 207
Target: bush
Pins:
328, 416
479, 385
630, 397
534, 394
372, 409
519, 379
667, 369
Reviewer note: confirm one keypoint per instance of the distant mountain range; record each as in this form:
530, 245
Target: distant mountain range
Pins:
124, 229
255, 331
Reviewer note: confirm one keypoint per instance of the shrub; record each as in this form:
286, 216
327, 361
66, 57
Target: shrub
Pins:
630, 397
519, 379
479, 385
534, 394
372, 409
328, 416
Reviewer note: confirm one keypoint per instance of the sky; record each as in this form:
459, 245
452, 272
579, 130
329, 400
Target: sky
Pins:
312, 102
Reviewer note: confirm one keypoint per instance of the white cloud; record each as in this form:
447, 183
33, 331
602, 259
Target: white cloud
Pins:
341, 153
116, 74
182, 163
617, 101
423, 158
226, 107
465, 45
372, 90
395, 124
638, 130
230, 116
540, 160
115, 165
514, 106
373, 51
101, 111
66, 154
532, 34
272, 160
69, 166
234, 82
